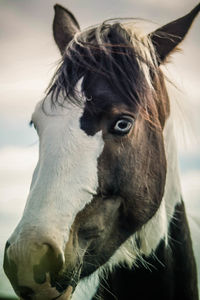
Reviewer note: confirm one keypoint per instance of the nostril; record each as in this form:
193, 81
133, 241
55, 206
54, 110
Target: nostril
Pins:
51, 261
25, 292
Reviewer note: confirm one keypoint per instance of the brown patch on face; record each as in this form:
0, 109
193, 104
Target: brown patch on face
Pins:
134, 167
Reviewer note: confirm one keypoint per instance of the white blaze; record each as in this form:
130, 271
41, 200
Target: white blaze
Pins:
65, 178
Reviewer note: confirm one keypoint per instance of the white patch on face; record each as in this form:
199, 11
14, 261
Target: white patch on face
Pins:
65, 178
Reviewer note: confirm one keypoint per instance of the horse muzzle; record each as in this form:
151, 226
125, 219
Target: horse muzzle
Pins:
36, 271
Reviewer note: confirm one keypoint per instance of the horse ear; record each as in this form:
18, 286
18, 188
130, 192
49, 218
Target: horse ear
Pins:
168, 37
64, 27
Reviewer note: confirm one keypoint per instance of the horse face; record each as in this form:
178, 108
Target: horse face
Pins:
86, 196
100, 177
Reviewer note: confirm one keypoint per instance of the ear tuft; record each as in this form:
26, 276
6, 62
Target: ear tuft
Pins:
65, 26
168, 37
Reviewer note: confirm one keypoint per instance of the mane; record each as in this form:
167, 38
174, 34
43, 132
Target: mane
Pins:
115, 51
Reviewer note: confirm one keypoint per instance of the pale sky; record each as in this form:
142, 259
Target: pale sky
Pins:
27, 61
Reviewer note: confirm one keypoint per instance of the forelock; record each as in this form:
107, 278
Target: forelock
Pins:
122, 55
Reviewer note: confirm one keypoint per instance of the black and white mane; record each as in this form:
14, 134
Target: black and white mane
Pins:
111, 50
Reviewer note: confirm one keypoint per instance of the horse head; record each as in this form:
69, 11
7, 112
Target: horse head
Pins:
98, 193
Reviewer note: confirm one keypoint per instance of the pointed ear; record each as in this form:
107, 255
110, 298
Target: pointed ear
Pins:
168, 37
64, 27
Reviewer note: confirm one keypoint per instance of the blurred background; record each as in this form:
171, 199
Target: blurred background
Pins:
28, 58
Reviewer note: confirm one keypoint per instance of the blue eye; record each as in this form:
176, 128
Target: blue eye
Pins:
123, 125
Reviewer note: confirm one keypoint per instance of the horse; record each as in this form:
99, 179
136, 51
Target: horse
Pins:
105, 214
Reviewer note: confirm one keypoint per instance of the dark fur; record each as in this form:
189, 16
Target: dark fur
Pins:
170, 272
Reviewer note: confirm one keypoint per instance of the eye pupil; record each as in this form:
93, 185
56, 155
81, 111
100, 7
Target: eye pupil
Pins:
122, 124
